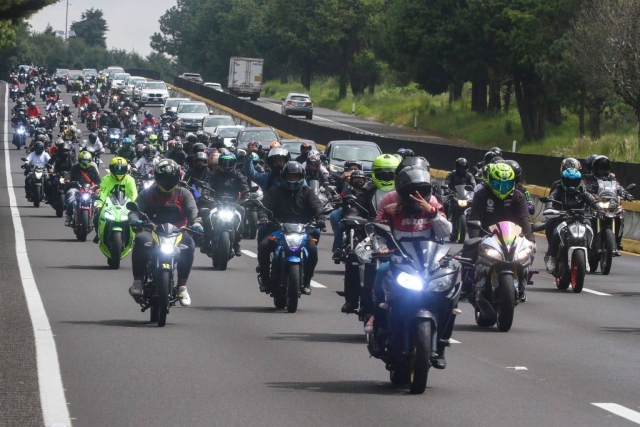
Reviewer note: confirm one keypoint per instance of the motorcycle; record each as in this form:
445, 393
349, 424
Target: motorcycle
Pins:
164, 140
75, 98
20, 136
93, 121
14, 93
116, 236
113, 103
576, 238
250, 226
458, 201
114, 139
36, 177
609, 212
160, 288
287, 262
34, 122
500, 274
226, 222
83, 112
52, 120
144, 181
83, 211
58, 193
421, 299
103, 133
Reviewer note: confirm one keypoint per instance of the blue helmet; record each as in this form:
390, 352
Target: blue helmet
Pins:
571, 179
227, 162
126, 142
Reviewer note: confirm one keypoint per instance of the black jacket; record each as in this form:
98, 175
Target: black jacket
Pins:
160, 207
62, 164
576, 200
315, 175
180, 157
298, 206
454, 179
233, 184
364, 198
489, 210
591, 183
76, 175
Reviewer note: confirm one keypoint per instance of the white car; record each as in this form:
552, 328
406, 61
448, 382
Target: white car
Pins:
216, 86
228, 133
210, 123
153, 92
118, 80
130, 83
171, 104
137, 88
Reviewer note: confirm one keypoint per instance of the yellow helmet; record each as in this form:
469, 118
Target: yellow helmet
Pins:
118, 166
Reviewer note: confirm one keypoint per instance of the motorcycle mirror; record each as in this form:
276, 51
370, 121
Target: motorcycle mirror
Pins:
323, 157
24, 159
445, 187
133, 206
468, 187
474, 225
538, 226
545, 199
630, 186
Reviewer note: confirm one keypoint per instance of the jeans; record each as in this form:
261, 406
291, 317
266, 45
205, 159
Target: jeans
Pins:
378, 290
140, 254
336, 225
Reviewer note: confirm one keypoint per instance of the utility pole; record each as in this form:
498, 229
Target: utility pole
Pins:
66, 26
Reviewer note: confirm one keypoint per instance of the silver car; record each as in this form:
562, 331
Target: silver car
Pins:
297, 104
210, 123
228, 133
190, 114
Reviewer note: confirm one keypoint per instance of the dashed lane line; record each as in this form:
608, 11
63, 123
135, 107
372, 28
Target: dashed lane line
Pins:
620, 411
315, 284
591, 291
249, 253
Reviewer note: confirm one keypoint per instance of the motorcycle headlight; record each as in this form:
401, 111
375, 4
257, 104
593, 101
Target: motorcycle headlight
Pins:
294, 240
441, 284
491, 252
225, 215
335, 168
410, 281
148, 184
109, 216
523, 254
166, 248
462, 203
86, 196
20, 131
604, 205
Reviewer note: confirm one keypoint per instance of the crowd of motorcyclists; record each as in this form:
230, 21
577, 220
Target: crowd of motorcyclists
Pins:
189, 180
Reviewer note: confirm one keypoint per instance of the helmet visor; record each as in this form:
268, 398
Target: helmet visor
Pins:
386, 175
502, 187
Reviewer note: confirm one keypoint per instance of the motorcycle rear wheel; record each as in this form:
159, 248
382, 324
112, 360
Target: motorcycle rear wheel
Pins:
252, 225
60, 207
293, 287
35, 196
578, 271
420, 358
606, 257
160, 302
115, 249
83, 226
507, 304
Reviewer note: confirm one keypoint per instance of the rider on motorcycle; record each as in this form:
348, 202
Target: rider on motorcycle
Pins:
165, 202
227, 181
33, 110
349, 166
305, 149
460, 175
82, 173
126, 151
191, 140
488, 157
84, 99
521, 188
66, 112
94, 143
572, 194
568, 163
199, 171
295, 202
314, 169
37, 158
412, 216
195, 149
587, 174
52, 106
276, 160
149, 120
147, 163
118, 177
177, 154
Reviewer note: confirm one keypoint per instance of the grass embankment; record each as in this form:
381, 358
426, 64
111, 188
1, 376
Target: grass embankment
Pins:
399, 105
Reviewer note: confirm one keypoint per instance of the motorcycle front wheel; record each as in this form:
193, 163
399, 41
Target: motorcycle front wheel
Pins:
293, 287
420, 358
252, 225
35, 196
606, 257
462, 228
115, 248
221, 257
60, 207
507, 303
83, 226
160, 303
578, 271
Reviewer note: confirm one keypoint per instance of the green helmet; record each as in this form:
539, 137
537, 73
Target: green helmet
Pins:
501, 180
383, 171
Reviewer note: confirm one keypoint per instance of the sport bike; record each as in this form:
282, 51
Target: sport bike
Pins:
116, 236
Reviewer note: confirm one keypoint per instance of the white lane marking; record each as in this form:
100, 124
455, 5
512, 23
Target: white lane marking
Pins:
518, 368
249, 253
315, 284
452, 341
329, 120
591, 291
620, 411
52, 398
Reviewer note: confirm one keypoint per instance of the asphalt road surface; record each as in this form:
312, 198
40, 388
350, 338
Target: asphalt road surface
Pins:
231, 359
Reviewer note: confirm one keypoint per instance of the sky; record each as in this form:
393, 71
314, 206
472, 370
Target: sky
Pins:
131, 22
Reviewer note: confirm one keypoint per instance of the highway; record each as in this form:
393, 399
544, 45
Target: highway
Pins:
231, 359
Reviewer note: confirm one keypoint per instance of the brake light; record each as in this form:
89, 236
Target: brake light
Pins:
289, 101
308, 103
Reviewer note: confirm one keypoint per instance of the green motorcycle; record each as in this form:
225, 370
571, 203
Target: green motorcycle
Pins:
116, 236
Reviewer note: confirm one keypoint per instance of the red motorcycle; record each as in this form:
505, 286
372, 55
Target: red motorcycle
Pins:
83, 211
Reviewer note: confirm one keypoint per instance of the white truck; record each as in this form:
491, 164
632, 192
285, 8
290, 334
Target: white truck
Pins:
245, 77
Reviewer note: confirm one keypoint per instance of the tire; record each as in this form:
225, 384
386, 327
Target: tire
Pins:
462, 228
161, 305
83, 226
420, 358
561, 284
252, 225
115, 249
224, 246
253, 97
60, 208
507, 304
594, 263
606, 257
280, 301
578, 271
309, 116
293, 287
482, 321
35, 196
399, 377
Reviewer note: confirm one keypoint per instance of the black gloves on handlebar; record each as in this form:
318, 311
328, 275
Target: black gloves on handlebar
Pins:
322, 225
628, 197
263, 221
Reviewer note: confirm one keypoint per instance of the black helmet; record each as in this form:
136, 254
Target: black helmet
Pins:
38, 147
148, 115
588, 163
516, 168
200, 156
202, 136
146, 151
191, 137
293, 175
32, 104
313, 160
93, 137
199, 147
277, 152
359, 177
410, 180
65, 147
132, 125
461, 166
497, 150
352, 162
167, 175
227, 162
66, 107
488, 157
417, 161
601, 166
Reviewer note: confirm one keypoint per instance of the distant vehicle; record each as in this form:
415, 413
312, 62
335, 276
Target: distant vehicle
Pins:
171, 104
229, 133
72, 76
265, 135
245, 77
89, 72
194, 77
152, 92
137, 89
191, 113
338, 152
210, 123
111, 71
293, 146
60, 75
216, 86
297, 104
130, 83
118, 80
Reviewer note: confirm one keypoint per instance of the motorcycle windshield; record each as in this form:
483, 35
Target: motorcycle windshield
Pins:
461, 193
607, 189
421, 250
289, 227
315, 186
508, 232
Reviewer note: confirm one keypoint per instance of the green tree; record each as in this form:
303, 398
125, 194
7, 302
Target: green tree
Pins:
11, 14
92, 28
